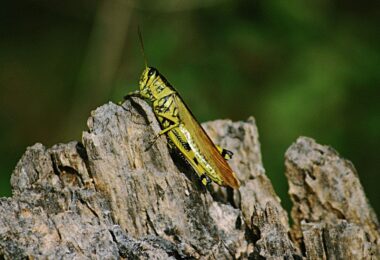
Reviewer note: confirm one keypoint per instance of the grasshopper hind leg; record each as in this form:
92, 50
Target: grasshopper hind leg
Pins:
205, 180
193, 164
226, 154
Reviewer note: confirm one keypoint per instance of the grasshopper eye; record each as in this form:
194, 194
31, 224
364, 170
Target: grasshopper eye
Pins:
151, 72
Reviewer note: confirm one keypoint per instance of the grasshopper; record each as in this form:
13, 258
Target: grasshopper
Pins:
184, 133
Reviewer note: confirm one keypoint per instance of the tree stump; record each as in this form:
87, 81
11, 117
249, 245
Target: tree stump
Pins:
115, 195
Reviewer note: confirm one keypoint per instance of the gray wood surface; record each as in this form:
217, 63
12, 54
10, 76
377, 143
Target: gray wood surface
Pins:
115, 195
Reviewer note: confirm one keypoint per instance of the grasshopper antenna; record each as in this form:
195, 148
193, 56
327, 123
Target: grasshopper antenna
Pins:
142, 45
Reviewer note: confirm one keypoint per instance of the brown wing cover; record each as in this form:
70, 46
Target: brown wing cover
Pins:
206, 146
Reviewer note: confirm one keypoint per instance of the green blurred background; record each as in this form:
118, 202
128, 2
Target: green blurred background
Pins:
299, 67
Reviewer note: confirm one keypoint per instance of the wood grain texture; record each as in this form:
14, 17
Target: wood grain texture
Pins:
114, 195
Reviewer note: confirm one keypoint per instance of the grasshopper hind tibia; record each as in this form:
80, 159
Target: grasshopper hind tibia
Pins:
205, 180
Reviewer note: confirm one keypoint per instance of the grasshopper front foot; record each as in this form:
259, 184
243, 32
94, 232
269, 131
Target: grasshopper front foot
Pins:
135, 93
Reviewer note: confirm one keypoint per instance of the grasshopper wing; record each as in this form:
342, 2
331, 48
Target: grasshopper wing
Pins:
206, 146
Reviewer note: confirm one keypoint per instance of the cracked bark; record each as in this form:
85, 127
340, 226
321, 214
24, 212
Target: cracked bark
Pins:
113, 196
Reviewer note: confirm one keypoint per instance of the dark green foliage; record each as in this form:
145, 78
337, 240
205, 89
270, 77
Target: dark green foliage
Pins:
300, 67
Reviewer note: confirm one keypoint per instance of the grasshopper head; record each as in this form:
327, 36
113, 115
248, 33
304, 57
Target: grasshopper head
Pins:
146, 82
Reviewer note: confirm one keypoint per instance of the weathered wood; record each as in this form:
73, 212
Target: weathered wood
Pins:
333, 219
118, 194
